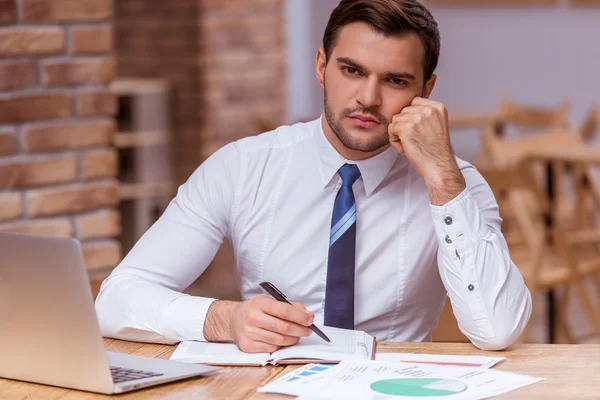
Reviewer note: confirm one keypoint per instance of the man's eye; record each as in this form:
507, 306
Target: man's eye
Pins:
397, 81
350, 70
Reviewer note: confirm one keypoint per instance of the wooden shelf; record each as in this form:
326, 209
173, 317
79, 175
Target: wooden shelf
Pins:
133, 86
140, 139
145, 190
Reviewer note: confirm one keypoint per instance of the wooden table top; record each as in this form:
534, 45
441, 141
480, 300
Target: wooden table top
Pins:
571, 372
584, 153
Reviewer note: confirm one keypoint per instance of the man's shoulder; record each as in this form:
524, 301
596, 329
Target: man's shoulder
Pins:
283, 137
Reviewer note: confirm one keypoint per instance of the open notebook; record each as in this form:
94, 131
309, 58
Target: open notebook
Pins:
345, 345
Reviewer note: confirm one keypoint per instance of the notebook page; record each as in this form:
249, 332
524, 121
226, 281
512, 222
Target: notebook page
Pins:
345, 344
216, 353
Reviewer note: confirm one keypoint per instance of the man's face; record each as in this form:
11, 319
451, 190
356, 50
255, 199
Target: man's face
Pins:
370, 78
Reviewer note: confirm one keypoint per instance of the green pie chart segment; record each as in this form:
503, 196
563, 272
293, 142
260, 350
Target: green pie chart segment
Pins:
419, 387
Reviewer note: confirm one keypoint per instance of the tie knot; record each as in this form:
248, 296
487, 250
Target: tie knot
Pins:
349, 174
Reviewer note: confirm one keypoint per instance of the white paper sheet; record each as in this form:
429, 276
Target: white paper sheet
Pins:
362, 379
440, 359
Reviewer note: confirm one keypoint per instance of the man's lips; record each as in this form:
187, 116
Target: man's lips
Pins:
364, 121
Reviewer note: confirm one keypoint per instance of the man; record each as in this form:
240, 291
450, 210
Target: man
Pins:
364, 216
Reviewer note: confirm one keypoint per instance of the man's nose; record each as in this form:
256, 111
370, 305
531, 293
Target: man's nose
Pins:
369, 94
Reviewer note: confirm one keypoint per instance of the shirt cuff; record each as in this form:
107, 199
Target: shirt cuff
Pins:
185, 318
458, 224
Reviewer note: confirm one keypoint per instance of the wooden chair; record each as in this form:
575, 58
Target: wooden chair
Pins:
521, 117
545, 265
589, 127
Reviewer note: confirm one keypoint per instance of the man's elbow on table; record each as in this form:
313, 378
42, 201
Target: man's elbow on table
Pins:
497, 343
108, 316
507, 331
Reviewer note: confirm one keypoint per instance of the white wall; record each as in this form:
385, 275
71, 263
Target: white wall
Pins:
538, 55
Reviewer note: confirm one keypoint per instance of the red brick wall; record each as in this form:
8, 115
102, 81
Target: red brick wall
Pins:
224, 59
57, 163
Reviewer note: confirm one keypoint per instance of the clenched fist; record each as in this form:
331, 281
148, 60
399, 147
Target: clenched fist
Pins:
421, 132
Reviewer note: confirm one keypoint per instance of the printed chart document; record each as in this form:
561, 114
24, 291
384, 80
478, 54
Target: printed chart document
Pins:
345, 345
363, 379
440, 359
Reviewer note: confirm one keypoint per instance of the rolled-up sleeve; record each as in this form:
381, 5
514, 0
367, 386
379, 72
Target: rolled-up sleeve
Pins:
488, 294
142, 299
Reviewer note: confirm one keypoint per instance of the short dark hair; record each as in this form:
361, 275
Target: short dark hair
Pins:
388, 17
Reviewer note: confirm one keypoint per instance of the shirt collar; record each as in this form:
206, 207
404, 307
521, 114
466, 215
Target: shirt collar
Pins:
373, 170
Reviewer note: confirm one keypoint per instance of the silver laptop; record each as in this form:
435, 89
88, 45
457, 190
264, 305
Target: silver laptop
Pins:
49, 333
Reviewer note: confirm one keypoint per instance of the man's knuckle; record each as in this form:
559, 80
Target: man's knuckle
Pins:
255, 302
284, 328
244, 344
280, 340
253, 317
269, 348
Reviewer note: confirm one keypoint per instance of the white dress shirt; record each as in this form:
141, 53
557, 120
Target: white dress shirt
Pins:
272, 196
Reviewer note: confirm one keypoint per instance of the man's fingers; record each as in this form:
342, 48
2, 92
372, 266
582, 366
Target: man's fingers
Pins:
287, 312
280, 326
439, 107
277, 339
298, 305
421, 101
410, 110
252, 346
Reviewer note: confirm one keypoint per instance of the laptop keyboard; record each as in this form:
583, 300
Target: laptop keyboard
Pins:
125, 375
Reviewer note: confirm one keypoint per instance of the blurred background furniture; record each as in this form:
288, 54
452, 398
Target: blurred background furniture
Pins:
146, 164
545, 264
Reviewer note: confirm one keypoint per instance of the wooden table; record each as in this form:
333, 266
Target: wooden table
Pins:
572, 372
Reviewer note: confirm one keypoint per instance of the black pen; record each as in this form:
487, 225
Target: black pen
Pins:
278, 295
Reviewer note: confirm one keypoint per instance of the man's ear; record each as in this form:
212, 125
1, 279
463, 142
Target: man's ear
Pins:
428, 88
320, 64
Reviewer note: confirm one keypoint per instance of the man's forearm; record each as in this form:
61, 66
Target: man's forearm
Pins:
445, 186
218, 323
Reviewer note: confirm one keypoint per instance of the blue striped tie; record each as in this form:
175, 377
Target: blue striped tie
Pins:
339, 294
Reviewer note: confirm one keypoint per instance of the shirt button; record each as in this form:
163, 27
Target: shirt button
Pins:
448, 220
448, 240
471, 288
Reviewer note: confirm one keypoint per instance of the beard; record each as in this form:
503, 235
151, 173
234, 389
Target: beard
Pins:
355, 140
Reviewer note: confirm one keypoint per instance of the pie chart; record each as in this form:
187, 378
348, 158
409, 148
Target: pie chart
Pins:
419, 387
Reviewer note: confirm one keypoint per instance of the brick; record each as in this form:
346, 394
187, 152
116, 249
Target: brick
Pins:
91, 39
61, 227
17, 74
24, 41
238, 5
72, 198
27, 171
77, 72
182, 9
104, 254
96, 103
58, 136
66, 10
35, 107
8, 12
99, 164
100, 224
11, 206
8, 142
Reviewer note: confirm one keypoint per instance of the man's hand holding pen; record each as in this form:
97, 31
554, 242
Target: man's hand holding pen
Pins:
261, 324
